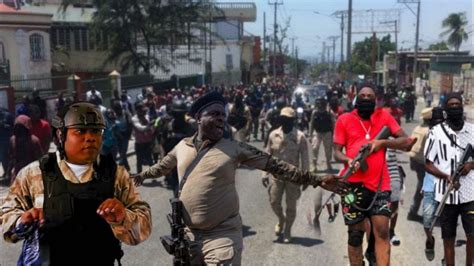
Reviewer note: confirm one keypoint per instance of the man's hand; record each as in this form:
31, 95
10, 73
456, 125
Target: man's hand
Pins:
376, 145
356, 166
112, 210
334, 183
466, 168
265, 181
33, 215
138, 179
411, 141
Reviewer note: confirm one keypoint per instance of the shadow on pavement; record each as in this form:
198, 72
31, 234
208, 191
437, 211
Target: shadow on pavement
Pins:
303, 241
247, 231
154, 183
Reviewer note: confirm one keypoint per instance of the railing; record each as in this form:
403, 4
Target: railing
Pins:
235, 5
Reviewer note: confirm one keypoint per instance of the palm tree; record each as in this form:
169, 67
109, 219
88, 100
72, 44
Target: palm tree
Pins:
455, 23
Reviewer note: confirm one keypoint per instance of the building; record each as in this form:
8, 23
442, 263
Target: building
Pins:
217, 56
25, 51
442, 70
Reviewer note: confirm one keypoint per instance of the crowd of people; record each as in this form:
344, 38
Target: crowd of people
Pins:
207, 132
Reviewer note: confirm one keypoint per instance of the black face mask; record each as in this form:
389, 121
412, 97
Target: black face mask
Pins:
365, 108
455, 116
287, 125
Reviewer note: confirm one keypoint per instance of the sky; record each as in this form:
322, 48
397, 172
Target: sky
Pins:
311, 29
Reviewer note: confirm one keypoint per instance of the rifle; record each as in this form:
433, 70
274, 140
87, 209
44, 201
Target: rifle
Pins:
177, 244
363, 153
453, 185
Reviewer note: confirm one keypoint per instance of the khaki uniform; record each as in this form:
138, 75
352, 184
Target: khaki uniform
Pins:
417, 164
28, 192
209, 196
293, 149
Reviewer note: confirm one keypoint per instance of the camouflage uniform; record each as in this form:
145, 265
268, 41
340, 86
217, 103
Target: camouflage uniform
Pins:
28, 192
209, 196
293, 149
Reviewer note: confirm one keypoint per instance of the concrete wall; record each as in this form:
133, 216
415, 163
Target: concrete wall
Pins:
17, 50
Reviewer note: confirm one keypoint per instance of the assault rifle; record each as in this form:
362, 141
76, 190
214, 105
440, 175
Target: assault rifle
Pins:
177, 244
452, 185
363, 153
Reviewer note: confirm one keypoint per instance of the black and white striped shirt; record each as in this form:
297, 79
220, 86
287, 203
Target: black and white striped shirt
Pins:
445, 155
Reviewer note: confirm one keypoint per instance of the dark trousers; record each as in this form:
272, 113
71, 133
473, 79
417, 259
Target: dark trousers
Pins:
419, 168
144, 154
122, 151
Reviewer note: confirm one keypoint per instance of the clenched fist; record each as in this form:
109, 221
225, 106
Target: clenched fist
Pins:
112, 210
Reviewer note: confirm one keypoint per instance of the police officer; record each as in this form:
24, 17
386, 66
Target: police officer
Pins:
322, 121
272, 118
208, 193
290, 145
82, 202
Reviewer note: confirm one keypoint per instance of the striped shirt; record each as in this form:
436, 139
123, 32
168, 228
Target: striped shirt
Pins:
392, 164
445, 155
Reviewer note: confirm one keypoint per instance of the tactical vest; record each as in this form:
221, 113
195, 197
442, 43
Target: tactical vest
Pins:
322, 122
74, 233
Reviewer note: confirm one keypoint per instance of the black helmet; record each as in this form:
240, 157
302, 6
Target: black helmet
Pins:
179, 106
79, 115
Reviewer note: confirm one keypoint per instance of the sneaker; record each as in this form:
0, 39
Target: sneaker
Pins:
395, 240
278, 228
287, 238
331, 218
317, 226
429, 249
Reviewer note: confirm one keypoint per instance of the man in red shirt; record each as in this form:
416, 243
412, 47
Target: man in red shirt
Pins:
369, 196
40, 127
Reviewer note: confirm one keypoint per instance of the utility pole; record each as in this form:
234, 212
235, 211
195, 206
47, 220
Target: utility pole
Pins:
415, 63
275, 29
417, 34
333, 38
349, 32
264, 42
341, 14
395, 23
293, 55
323, 54
296, 63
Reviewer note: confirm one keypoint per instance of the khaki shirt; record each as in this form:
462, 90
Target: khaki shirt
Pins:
291, 148
27, 191
421, 133
209, 195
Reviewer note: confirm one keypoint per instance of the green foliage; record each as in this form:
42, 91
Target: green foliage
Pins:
439, 46
361, 62
318, 70
455, 24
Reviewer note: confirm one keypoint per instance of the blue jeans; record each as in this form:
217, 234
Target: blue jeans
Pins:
429, 208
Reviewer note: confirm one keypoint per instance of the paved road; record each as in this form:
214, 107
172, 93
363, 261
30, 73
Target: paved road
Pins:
260, 245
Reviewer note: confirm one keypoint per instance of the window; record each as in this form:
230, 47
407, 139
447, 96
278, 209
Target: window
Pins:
36, 47
84, 39
2, 53
77, 39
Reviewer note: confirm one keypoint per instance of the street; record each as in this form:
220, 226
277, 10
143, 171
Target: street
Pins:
260, 245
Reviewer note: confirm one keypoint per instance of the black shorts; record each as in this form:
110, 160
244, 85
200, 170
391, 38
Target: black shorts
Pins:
449, 219
363, 197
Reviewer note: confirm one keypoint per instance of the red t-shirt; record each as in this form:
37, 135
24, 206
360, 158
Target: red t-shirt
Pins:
42, 130
350, 133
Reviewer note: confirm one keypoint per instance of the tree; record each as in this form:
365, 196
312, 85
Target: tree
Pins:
361, 60
139, 33
439, 46
455, 24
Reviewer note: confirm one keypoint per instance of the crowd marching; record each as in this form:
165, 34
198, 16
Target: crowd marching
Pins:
208, 132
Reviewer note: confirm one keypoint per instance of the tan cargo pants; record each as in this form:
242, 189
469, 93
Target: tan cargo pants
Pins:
293, 192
